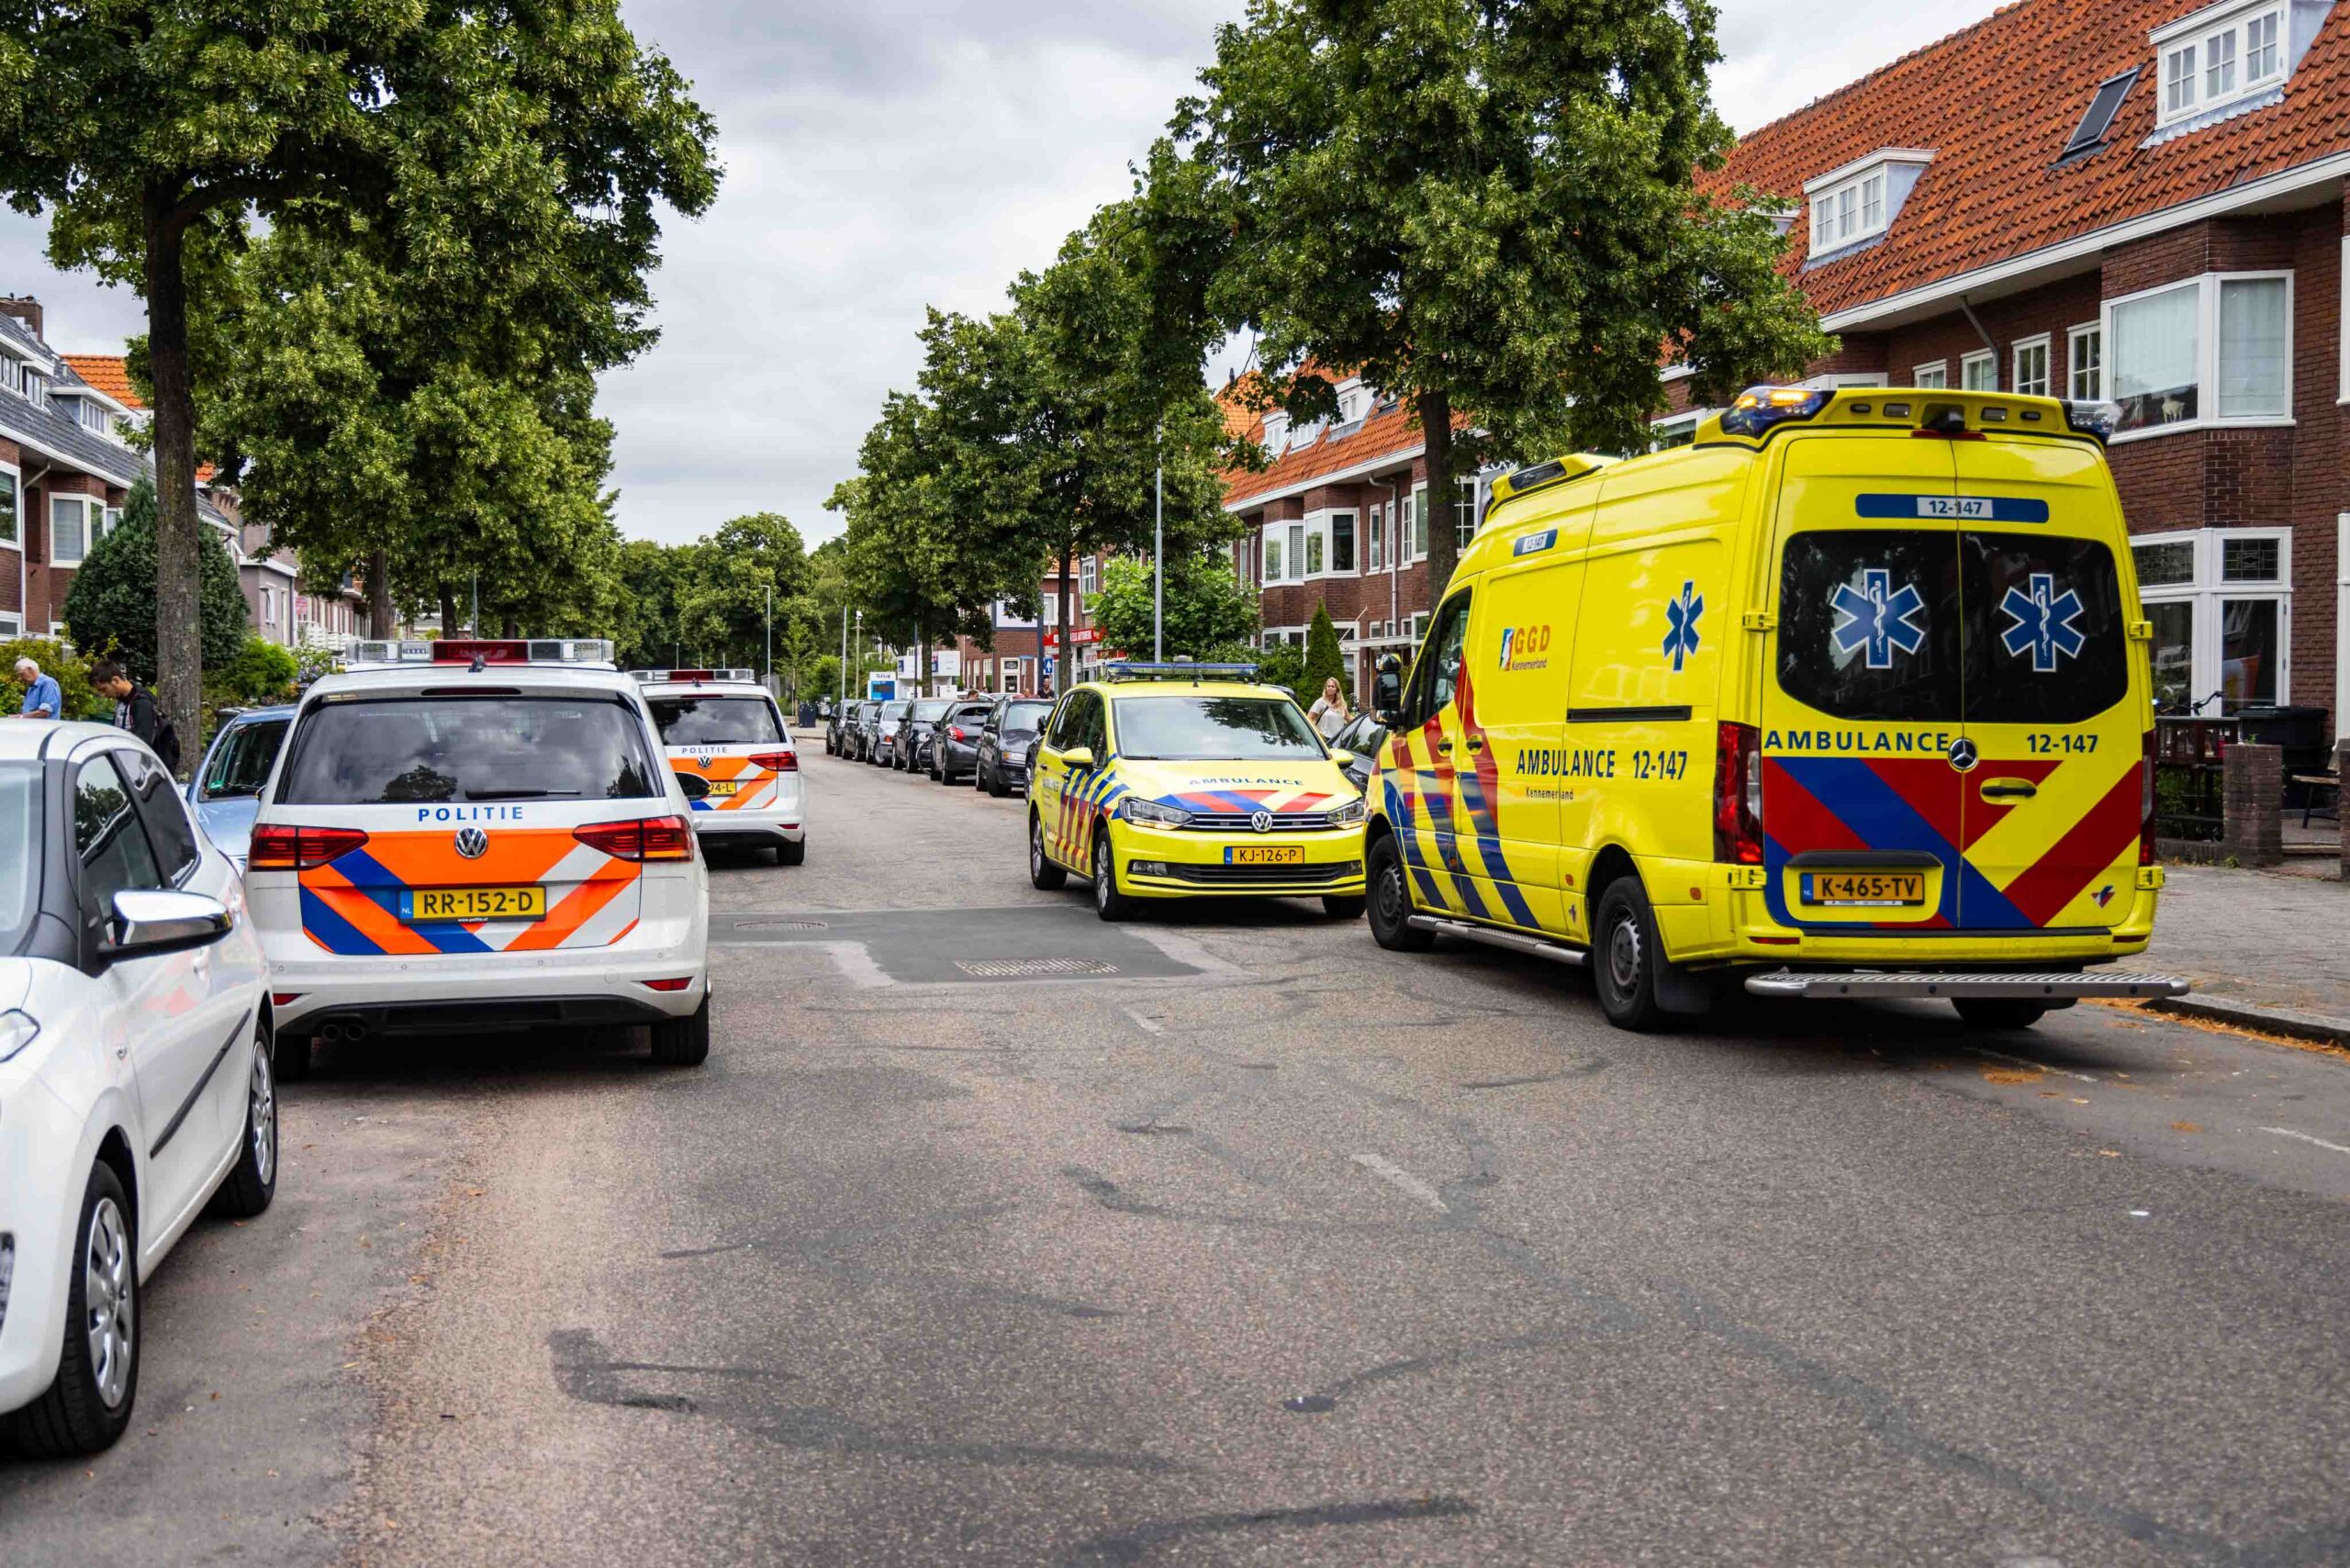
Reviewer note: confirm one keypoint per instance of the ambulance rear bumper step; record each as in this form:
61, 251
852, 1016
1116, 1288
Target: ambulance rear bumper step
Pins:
1558, 953
1870, 984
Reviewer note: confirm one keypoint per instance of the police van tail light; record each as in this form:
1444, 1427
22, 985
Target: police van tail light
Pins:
650, 838
775, 761
278, 846
2147, 802
1738, 794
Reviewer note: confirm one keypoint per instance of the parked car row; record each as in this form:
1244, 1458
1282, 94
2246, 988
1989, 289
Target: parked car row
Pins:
991, 741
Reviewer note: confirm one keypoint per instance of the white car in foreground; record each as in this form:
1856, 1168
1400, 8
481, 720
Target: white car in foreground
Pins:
136, 1081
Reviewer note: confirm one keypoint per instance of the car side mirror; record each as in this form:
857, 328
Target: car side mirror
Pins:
695, 787
151, 921
1343, 757
1079, 757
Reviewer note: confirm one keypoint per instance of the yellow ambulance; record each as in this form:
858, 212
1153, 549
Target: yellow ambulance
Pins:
1848, 699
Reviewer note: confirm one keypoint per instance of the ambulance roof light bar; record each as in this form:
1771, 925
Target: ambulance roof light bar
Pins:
1177, 669
481, 651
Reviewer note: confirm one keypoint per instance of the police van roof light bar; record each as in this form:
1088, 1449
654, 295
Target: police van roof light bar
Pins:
482, 651
651, 676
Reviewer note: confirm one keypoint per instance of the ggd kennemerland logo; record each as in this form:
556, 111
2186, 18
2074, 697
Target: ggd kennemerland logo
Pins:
1526, 647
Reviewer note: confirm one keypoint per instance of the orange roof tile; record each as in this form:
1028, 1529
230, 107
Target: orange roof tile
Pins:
1391, 431
1996, 104
109, 373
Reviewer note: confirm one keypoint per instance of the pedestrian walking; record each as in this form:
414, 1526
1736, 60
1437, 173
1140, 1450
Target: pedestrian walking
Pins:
135, 709
42, 699
1330, 716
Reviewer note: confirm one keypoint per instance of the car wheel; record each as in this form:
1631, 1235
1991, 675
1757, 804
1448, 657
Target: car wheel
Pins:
253, 1181
683, 1042
995, 786
1044, 872
97, 1376
1389, 900
1998, 1012
1108, 901
791, 852
296, 1055
1343, 906
1624, 956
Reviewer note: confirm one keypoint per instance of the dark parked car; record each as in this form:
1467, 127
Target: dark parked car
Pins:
1007, 744
837, 726
954, 740
226, 791
881, 732
1364, 735
921, 720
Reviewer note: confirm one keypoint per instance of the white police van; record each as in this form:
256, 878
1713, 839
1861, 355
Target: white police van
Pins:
721, 726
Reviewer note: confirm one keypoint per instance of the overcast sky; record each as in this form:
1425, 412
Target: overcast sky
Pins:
891, 153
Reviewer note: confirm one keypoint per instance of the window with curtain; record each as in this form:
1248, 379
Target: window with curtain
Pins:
8, 509
1296, 551
2031, 368
1934, 377
69, 536
2255, 348
1979, 372
2086, 346
1377, 538
2155, 351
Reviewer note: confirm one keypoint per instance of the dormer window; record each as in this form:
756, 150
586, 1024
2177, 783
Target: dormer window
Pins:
1276, 432
2223, 57
1857, 203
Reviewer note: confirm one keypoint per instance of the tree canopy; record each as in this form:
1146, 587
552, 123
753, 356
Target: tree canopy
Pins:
110, 609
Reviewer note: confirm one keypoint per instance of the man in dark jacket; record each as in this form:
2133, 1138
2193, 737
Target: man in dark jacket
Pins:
135, 709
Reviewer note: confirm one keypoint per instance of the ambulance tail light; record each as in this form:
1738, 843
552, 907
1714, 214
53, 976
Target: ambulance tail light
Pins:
1738, 794
2146, 801
775, 761
650, 838
278, 846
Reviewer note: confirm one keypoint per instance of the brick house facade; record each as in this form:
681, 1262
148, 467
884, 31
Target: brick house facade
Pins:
2141, 200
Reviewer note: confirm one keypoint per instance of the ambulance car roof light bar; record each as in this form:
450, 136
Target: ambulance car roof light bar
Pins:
1176, 669
1760, 410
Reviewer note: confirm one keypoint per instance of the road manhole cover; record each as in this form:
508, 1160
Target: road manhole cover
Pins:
1033, 969
780, 925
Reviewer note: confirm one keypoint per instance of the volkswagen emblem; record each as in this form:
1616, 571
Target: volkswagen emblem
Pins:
702, 761
1961, 755
1262, 822
472, 843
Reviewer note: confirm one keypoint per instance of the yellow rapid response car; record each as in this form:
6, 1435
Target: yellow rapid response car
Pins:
1180, 780
1849, 699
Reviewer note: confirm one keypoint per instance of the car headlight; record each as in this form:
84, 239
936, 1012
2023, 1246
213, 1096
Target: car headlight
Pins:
17, 1030
1350, 813
1137, 810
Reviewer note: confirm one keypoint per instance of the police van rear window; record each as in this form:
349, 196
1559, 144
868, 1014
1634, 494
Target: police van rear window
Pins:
713, 720
1905, 626
399, 751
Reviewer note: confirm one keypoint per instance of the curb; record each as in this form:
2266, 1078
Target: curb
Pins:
2250, 1015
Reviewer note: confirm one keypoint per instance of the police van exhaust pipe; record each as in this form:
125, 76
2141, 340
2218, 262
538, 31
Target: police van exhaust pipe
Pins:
1558, 953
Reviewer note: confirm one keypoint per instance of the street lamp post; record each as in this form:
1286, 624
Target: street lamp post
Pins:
844, 676
1159, 545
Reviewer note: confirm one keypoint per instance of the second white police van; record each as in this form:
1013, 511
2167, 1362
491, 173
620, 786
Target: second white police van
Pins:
722, 727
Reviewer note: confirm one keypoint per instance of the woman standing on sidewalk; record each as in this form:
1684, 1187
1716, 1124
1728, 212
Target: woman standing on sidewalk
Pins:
1330, 716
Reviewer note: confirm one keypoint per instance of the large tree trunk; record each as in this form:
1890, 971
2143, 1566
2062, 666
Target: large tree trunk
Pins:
1444, 543
379, 593
1062, 649
179, 646
448, 610
921, 630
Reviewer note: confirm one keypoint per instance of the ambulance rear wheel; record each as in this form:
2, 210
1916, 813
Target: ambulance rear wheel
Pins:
683, 1042
1042, 874
1390, 903
1625, 954
1108, 901
1998, 1012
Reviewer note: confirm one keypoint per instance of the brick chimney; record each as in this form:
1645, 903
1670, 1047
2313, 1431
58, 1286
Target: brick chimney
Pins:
26, 310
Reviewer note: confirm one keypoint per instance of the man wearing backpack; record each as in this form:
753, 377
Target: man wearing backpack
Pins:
135, 709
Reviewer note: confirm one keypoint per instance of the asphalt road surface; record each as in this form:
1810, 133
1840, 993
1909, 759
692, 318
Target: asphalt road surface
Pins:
993, 1234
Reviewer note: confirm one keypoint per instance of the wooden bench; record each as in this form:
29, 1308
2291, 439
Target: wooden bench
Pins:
2313, 782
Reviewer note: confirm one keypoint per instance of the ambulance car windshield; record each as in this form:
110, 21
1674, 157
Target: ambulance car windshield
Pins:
19, 794
1213, 729
402, 750
714, 720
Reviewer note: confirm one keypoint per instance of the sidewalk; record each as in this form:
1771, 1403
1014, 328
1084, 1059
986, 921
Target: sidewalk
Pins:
2275, 946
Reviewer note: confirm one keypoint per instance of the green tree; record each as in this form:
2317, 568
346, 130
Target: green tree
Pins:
1207, 607
509, 159
69, 668
1284, 665
1487, 206
722, 604
1324, 659
110, 609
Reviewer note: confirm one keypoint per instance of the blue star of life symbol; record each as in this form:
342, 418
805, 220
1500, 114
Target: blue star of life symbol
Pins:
1877, 619
1680, 624
2044, 623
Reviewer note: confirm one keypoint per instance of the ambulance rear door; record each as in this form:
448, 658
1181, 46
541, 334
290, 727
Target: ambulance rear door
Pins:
2057, 708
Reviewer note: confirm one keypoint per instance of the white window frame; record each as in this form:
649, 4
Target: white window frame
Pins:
1373, 544
1685, 425
1331, 542
1415, 512
90, 527
1939, 370
2074, 336
2209, 595
16, 541
2187, 58
2342, 334
1088, 577
1464, 523
12, 625
1269, 555
2016, 351
1855, 203
2207, 355
1981, 360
